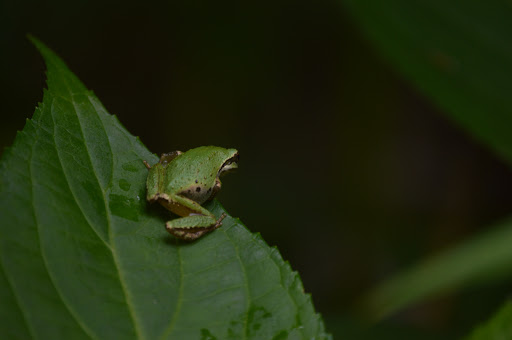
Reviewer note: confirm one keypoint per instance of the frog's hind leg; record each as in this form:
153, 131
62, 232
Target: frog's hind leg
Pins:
192, 227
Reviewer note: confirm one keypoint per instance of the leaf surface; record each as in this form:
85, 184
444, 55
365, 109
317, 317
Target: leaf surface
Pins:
83, 256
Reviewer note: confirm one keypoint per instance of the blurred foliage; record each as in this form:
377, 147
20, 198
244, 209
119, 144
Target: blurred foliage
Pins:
457, 53
485, 258
330, 133
499, 327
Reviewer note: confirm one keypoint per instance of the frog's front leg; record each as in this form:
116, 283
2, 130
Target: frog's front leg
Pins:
196, 220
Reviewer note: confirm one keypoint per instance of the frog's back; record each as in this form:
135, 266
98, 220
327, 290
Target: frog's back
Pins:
194, 172
184, 172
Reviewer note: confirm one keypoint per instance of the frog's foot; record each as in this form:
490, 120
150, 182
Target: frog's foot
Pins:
200, 225
147, 164
189, 234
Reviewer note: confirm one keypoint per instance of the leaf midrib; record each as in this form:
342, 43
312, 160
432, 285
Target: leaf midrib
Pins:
110, 246
45, 261
247, 291
177, 309
17, 299
129, 303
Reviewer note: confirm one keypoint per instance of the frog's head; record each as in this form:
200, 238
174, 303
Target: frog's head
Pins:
230, 162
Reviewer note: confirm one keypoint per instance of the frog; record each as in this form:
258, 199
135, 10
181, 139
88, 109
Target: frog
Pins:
183, 181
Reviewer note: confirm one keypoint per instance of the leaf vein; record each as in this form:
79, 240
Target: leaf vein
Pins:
180, 297
280, 275
214, 293
210, 267
45, 261
247, 292
129, 303
16, 298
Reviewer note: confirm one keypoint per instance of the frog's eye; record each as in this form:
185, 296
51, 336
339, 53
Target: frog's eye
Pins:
230, 164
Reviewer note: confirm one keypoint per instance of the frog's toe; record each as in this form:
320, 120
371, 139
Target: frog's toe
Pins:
188, 234
219, 221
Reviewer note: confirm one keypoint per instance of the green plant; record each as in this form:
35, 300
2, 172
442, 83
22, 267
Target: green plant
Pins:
82, 255
115, 272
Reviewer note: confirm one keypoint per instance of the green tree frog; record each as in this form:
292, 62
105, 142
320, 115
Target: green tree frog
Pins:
183, 181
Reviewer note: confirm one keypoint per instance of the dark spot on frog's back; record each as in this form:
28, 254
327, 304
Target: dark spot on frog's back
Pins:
198, 189
196, 181
209, 189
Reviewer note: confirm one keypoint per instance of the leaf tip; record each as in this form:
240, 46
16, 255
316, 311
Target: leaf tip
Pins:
36, 42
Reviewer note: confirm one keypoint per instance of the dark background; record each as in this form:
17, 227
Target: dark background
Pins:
350, 171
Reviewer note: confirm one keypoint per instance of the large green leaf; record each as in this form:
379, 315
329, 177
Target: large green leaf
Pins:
457, 52
83, 256
499, 327
483, 258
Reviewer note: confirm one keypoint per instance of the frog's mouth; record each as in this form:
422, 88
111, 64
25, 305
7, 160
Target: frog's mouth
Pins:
230, 165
